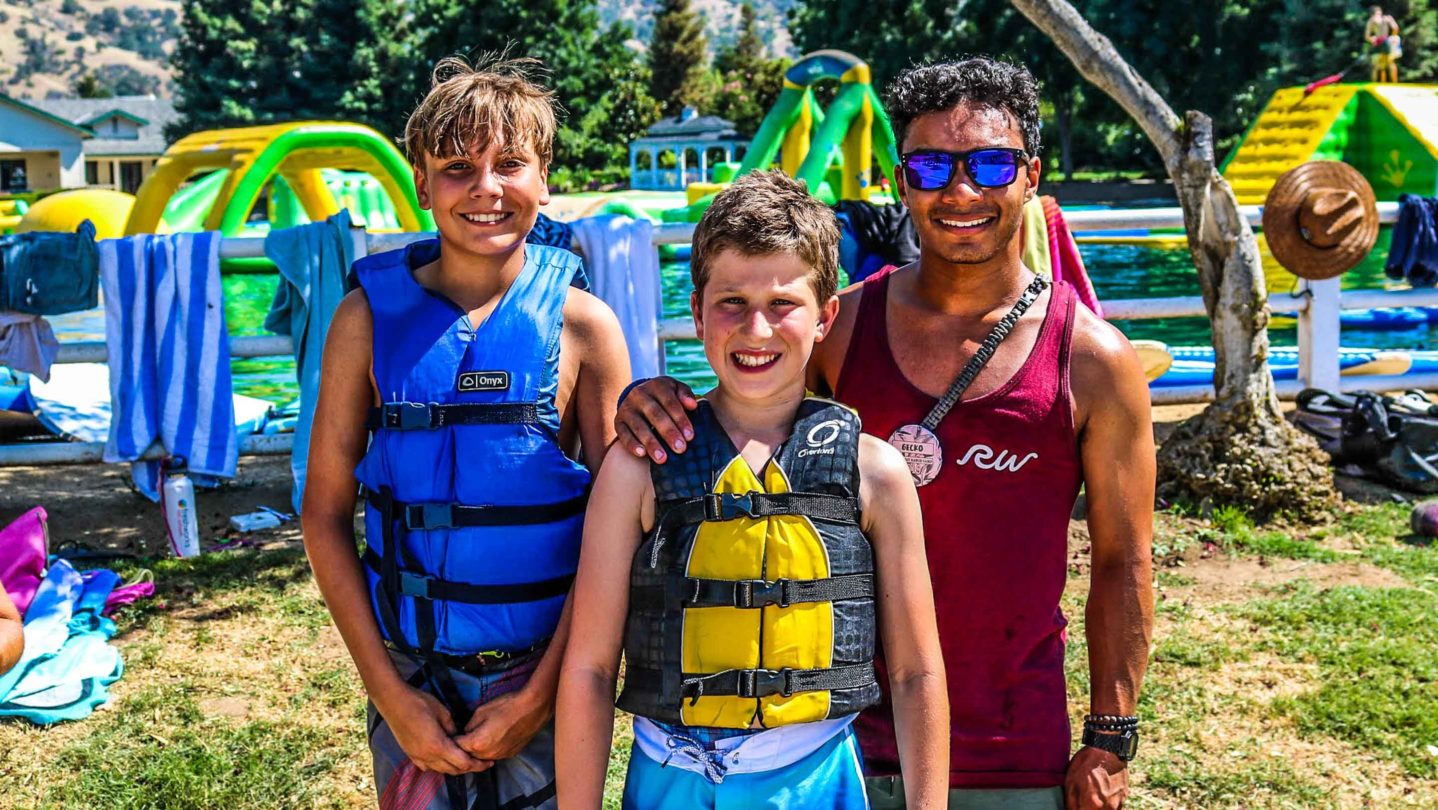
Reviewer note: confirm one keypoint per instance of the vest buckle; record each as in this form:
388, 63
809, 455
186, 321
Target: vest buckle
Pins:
422, 516
728, 506
410, 416
757, 683
752, 593
414, 585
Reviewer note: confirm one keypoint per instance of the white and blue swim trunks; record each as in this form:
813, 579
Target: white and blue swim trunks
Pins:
806, 766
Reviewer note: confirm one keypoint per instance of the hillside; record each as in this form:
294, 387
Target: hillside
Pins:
721, 20
50, 44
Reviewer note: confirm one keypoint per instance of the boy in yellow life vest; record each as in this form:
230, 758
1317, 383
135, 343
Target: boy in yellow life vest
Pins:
745, 581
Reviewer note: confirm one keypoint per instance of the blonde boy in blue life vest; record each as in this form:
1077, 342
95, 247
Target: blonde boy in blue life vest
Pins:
467, 392
746, 580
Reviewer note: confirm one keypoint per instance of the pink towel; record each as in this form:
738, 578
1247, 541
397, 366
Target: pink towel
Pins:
127, 594
1064, 253
23, 547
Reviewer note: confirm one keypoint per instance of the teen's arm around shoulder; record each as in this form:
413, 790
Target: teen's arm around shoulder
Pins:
620, 507
593, 337
1115, 434
907, 626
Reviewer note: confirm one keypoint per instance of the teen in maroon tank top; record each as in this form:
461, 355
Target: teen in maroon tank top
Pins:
997, 576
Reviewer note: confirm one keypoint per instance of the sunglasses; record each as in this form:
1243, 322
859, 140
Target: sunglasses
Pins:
990, 167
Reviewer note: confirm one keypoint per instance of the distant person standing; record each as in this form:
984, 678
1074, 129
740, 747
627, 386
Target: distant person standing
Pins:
1381, 34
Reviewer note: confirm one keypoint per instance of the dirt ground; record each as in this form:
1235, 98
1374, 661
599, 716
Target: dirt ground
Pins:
94, 506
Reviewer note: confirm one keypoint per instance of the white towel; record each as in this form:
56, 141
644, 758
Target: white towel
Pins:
27, 343
169, 354
624, 267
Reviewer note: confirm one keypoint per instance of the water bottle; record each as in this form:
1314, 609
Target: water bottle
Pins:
178, 499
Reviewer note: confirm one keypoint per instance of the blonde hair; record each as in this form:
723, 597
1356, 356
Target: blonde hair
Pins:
765, 213
494, 98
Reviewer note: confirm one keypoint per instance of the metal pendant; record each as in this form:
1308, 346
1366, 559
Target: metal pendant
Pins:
921, 450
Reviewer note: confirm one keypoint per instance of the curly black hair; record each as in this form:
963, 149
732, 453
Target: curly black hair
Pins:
978, 80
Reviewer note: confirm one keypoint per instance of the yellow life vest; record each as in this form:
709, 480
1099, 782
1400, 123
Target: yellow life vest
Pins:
752, 600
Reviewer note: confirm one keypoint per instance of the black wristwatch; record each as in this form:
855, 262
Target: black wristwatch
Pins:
1123, 744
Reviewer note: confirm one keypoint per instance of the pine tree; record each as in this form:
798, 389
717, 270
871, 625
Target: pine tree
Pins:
748, 81
596, 78
677, 57
746, 54
241, 62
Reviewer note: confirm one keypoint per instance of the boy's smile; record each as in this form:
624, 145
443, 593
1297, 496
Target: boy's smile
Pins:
485, 201
759, 319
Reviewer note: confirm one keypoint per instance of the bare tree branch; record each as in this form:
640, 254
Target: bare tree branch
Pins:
1102, 66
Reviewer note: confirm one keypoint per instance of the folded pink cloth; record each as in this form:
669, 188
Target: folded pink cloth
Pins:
1067, 263
125, 594
23, 546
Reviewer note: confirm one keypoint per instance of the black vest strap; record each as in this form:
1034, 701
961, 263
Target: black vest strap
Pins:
728, 506
756, 593
757, 683
425, 516
428, 416
421, 586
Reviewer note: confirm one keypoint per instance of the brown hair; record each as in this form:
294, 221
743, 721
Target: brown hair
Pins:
764, 213
492, 99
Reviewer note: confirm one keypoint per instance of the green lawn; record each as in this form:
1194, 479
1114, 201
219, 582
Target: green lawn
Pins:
1292, 667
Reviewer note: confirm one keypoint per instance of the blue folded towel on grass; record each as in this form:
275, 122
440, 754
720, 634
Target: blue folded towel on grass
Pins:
169, 355
68, 663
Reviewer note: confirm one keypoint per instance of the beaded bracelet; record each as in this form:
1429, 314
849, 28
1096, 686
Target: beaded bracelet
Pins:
1110, 722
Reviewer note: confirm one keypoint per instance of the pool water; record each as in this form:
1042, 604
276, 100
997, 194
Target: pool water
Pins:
1118, 272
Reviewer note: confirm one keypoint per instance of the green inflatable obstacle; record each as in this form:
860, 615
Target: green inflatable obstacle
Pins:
827, 149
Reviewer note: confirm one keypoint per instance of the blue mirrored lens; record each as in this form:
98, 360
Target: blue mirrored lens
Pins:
993, 167
928, 171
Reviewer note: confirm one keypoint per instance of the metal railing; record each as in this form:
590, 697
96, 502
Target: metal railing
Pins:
1317, 304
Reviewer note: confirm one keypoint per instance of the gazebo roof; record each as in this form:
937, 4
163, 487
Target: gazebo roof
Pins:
690, 126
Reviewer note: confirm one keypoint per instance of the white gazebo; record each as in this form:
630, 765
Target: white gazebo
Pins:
693, 144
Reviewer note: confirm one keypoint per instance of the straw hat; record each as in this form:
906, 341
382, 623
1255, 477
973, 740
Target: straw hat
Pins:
1320, 219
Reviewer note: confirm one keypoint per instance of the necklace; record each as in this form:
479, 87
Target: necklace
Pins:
918, 443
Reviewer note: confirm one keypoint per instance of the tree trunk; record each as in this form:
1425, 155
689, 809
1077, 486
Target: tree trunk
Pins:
1063, 104
1239, 451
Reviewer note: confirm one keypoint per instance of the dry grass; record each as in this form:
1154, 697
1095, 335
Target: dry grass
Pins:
1292, 667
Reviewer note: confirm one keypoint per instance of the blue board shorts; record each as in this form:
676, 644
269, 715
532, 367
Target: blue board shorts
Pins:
829, 778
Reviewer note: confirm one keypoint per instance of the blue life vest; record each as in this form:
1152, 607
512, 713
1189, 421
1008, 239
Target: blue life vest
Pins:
474, 512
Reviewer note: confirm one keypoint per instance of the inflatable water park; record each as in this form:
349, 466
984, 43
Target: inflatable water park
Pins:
249, 182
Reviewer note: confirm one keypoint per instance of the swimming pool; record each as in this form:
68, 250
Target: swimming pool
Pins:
1118, 271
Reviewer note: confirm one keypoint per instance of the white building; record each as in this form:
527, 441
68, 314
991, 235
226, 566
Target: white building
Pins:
74, 143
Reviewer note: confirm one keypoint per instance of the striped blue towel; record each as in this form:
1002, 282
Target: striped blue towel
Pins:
169, 354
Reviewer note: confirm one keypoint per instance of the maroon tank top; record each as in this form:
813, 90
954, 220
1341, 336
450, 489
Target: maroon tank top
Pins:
996, 533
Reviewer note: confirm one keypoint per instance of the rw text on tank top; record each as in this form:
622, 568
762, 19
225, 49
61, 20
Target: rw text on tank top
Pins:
996, 533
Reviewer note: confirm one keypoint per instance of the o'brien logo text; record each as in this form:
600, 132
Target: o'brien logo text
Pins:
483, 381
